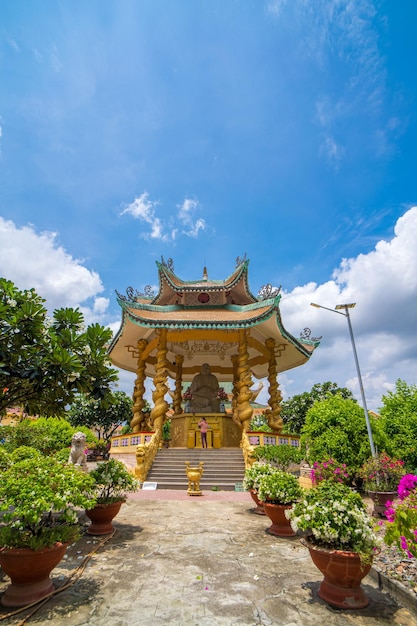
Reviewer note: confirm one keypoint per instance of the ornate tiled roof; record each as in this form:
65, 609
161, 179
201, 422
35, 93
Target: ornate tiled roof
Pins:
203, 320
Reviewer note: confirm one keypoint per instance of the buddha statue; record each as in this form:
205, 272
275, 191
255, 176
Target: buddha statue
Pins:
204, 388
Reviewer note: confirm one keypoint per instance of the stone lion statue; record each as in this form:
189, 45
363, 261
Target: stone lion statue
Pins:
77, 455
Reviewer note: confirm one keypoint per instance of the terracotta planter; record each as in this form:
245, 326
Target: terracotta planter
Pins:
101, 518
259, 509
280, 527
343, 573
29, 573
380, 499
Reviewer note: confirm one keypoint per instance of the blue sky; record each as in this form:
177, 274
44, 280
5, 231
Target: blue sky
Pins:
205, 130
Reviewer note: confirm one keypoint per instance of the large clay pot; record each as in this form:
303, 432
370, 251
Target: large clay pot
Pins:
101, 518
280, 527
343, 573
29, 573
259, 509
380, 499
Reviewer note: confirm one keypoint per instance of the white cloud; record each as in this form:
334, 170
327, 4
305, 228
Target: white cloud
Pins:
142, 208
32, 259
383, 284
191, 227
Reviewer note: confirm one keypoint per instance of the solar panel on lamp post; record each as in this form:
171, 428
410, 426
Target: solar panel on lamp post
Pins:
338, 309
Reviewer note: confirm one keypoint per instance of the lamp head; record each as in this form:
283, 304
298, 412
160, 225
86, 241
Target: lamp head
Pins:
345, 306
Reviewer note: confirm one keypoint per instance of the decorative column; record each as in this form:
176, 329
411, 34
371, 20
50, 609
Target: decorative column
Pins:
235, 360
178, 385
244, 383
158, 413
139, 389
275, 397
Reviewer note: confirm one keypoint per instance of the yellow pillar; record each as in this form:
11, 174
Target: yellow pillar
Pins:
158, 413
275, 397
139, 389
244, 383
178, 385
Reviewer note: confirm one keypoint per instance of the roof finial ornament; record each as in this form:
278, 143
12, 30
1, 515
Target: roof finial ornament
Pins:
267, 291
240, 260
169, 264
205, 274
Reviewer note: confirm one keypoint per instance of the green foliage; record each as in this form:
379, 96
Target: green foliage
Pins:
280, 456
105, 419
44, 362
47, 435
38, 497
112, 481
259, 423
24, 452
294, 410
5, 460
335, 517
279, 487
254, 473
399, 422
166, 431
336, 428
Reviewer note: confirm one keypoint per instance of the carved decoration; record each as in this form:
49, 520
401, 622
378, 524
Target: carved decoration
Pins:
267, 291
306, 334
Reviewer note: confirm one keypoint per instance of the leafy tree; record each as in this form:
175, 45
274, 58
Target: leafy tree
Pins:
399, 421
259, 423
336, 428
294, 410
44, 362
47, 435
104, 419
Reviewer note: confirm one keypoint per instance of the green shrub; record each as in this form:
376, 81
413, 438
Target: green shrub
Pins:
279, 487
281, 456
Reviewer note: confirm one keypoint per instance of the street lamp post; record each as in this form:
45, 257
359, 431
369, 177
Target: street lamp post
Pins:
338, 309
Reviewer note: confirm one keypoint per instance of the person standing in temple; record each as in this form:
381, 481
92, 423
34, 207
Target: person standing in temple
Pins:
203, 426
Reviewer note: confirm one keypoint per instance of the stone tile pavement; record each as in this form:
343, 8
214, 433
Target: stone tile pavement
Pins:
196, 561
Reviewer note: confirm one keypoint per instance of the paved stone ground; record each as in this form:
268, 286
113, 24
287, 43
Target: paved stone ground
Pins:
196, 561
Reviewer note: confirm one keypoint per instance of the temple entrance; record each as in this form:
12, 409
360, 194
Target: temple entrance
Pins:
222, 432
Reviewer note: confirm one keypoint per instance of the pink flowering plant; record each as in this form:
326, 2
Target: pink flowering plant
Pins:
401, 527
187, 395
382, 473
221, 394
329, 470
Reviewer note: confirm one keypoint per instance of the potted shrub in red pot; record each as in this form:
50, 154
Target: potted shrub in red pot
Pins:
112, 482
339, 535
278, 491
39, 497
381, 475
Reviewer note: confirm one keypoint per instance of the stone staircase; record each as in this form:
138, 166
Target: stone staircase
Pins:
223, 467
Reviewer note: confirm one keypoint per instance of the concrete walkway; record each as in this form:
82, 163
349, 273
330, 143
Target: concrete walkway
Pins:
196, 561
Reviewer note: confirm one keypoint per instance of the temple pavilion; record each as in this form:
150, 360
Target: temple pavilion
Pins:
219, 325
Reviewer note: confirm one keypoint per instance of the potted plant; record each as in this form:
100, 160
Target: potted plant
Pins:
38, 498
111, 482
222, 396
187, 397
278, 491
250, 482
381, 475
339, 535
329, 470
